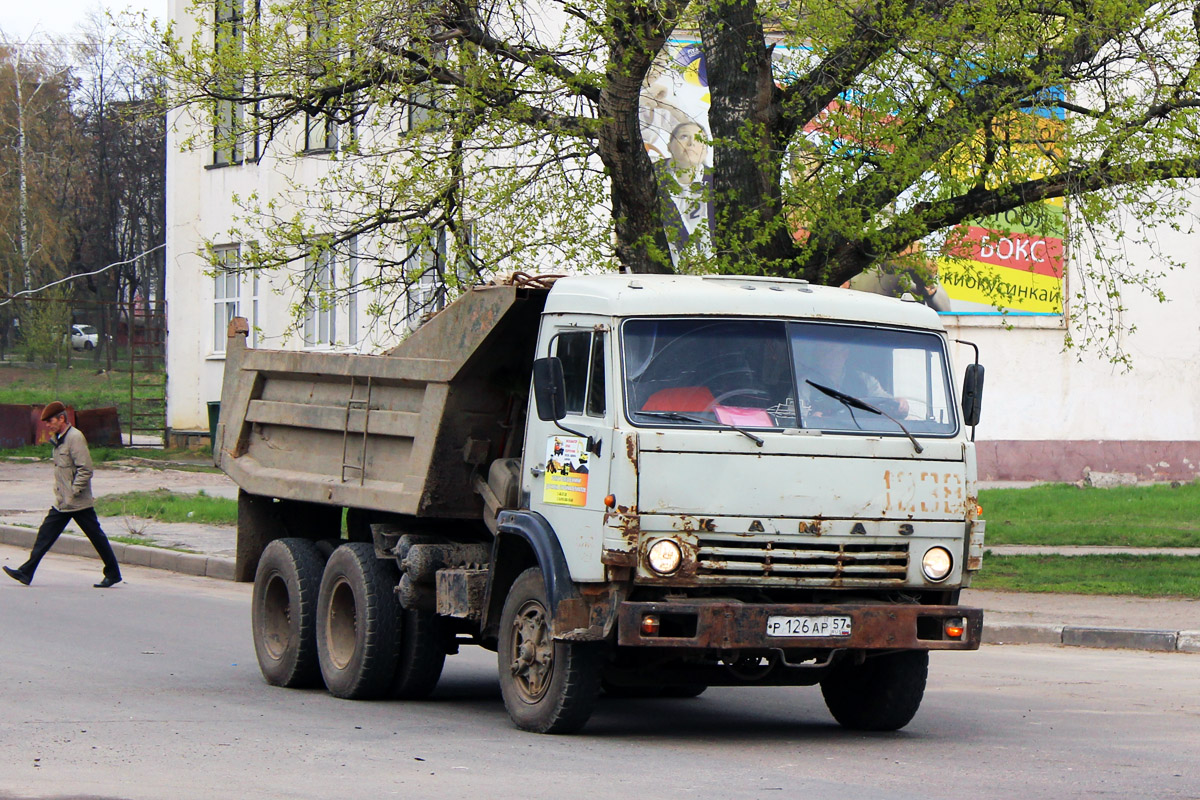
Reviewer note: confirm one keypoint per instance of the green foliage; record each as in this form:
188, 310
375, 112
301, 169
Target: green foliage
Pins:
1063, 514
1138, 576
166, 506
43, 328
511, 129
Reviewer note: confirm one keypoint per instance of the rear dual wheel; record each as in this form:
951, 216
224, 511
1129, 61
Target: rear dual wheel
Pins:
324, 613
422, 655
284, 613
357, 616
369, 646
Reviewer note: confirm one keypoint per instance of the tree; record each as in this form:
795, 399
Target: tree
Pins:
33, 99
885, 130
121, 209
37, 132
81, 177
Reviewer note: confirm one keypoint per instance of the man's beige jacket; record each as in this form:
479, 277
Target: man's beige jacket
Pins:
72, 472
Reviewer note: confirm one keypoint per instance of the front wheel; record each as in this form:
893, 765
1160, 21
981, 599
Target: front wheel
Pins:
548, 686
881, 694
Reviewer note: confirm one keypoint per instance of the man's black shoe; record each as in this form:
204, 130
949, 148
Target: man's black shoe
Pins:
107, 582
17, 575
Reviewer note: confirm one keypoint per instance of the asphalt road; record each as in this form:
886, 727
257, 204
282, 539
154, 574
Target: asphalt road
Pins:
151, 690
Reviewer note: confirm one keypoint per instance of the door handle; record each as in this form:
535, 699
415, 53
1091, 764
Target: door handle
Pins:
537, 471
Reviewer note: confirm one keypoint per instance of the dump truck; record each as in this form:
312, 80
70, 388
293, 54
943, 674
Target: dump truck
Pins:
628, 485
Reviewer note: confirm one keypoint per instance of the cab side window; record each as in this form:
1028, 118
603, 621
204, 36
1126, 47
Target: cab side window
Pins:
582, 357
595, 395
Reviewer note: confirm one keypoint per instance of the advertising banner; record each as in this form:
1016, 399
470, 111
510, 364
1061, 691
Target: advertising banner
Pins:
566, 471
1012, 264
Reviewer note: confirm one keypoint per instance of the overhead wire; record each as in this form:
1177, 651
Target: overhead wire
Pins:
81, 275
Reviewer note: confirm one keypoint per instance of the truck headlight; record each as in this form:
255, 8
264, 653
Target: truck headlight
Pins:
664, 556
937, 563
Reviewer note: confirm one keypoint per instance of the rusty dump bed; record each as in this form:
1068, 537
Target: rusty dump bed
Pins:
401, 432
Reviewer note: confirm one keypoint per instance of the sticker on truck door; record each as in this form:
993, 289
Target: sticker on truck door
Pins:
566, 471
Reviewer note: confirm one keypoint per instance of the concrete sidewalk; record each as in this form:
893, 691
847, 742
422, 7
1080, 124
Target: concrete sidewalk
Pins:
75, 544
1009, 617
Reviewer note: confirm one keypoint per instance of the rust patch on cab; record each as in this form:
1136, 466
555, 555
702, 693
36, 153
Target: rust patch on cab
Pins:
631, 452
688, 524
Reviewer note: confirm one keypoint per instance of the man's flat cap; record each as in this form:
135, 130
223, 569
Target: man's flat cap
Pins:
53, 410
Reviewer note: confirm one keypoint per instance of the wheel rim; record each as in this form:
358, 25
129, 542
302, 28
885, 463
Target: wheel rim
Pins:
341, 632
532, 652
277, 617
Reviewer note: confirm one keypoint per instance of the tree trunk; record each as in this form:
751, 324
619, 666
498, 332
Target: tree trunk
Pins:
751, 232
641, 241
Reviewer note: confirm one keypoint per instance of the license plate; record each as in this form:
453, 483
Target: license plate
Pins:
808, 626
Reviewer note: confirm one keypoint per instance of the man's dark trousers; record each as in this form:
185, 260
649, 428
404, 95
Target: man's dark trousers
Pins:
53, 526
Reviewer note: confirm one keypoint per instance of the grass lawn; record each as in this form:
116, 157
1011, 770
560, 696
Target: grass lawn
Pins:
1138, 576
79, 386
166, 506
1064, 514
197, 460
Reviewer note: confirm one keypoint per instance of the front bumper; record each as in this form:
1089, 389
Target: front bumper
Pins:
730, 625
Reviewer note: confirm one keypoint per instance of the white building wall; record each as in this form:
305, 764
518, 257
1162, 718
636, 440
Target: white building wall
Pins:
1050, 413
1047, 413
201, 211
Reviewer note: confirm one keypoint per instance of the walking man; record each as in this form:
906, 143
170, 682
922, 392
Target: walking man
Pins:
72, 500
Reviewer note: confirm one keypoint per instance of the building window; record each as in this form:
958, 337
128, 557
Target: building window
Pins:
229, 115
418, 110
234, 295
321, 129
352, 293
425, 281
320, 133
320, 329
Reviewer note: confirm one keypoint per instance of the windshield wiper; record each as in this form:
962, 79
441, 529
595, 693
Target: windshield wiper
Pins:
863, 405
680, 417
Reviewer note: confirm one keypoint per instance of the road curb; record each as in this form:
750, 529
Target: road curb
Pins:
1088, 636
70, 544
222, 568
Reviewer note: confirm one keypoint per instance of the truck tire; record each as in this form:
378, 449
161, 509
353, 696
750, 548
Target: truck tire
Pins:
881, 694
283, 615
422, 655
548, 686
356, 623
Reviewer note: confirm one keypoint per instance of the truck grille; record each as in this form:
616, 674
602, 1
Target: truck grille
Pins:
804, 563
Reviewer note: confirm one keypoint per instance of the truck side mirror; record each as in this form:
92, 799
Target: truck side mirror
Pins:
972, 394
549, 389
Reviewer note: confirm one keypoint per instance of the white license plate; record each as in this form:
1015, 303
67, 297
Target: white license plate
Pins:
808, 626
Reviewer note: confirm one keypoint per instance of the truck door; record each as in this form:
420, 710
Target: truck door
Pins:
566, 480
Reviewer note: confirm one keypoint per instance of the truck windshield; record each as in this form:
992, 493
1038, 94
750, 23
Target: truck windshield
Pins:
772, 374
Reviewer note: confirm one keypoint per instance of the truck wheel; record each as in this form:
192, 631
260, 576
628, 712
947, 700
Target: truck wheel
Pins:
548, 686
421, 655
881, 694
356, 623
283, 615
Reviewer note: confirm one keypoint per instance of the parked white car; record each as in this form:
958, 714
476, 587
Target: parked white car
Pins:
84, 337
